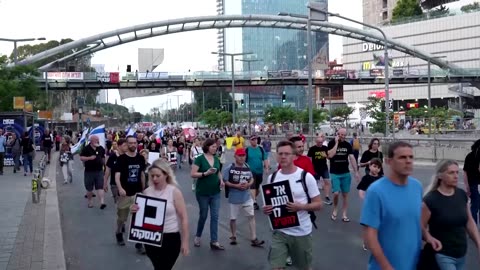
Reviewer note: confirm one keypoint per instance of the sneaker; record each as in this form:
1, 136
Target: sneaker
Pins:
140, 249
120, 241
289, 261
327, 201
257, 243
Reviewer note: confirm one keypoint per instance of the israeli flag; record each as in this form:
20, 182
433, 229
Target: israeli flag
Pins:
100, 133
159, 133
77, 148
130, 131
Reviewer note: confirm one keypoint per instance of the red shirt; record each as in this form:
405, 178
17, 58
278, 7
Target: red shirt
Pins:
304, 163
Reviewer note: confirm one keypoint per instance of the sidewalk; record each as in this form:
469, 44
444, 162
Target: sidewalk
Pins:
30, 234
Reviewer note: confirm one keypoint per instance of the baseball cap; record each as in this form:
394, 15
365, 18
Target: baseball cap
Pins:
253, 137
240, 152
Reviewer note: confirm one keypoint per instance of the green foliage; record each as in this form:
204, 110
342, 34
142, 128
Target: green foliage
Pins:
19, 81
283, 114
441, 11
213, 97
442, 116
406, 9
216, 118
114, 111
318, 116
375, 110
471, 7
343, 112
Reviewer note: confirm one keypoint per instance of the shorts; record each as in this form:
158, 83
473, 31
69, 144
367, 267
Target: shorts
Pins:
325, 175
257, 181
247, 208
93, 180
341, 182
298, 247
47, 150
267, 155
123, 207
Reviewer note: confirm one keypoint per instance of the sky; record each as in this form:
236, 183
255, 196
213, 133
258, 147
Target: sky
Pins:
57, 19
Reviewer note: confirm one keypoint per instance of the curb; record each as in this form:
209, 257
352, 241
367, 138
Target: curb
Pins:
54, 257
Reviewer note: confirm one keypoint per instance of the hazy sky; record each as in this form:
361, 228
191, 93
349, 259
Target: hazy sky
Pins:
57, 19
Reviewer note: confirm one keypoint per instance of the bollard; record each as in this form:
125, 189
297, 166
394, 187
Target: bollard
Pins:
36, 186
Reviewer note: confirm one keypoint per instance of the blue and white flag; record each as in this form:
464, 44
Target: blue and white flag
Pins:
77, 148
100, 133
130, 131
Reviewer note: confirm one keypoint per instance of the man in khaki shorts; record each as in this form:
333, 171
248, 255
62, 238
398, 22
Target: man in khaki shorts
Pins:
130, 180
294, 241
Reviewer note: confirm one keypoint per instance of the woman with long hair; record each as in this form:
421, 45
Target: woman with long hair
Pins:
169, 153
372, 152
66, 160
206, 169
162, 184
446, 219
471, 178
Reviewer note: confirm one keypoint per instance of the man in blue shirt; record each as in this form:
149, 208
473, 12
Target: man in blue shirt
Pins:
3, 142
238, 178
392, 212
256, 160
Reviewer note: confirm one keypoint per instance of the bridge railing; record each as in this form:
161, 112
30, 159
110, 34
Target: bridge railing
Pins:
115, 77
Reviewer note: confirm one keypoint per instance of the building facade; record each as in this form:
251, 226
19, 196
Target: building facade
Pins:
273, 49
453, 38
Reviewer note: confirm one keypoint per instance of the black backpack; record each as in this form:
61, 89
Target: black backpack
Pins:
261, 150
313, 216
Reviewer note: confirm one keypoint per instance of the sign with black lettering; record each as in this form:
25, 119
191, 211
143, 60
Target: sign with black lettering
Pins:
277, 195
146, 225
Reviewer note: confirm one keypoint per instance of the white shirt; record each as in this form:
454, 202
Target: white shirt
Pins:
299, 196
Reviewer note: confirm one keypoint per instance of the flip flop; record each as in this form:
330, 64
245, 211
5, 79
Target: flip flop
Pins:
345, 219
90, 206
333, 217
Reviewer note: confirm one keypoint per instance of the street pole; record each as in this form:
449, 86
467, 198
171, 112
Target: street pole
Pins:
249, 61
330, 102
15, 52
233, 91
429, 96
310, 79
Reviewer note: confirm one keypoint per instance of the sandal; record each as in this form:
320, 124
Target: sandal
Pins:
345, 219
233, 240
257, 243
216, 246
333, 217
196, 242
90, 205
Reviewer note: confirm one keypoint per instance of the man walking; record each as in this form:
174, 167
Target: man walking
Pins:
318, 154
16, 147
339, 153
391, 214
93, 157
238, 141
47, 142
3, 142
238, 178
256, 160
110, 169
295, 241
130, 180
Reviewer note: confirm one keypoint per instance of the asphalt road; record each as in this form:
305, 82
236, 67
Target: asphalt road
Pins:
89, 239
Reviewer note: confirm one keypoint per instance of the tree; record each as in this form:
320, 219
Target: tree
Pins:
319, 115
440, 11
19, 81
216, 118
213, 97
278, 115
406, 9
470, 7
343, 112
375, 109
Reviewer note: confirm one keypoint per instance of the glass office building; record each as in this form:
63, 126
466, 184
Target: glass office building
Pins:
275, 49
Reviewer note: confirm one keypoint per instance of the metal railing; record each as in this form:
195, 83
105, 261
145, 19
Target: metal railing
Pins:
38, 174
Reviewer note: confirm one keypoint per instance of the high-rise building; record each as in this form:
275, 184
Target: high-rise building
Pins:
273, 49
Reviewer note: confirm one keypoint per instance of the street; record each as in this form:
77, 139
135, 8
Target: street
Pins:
89, 239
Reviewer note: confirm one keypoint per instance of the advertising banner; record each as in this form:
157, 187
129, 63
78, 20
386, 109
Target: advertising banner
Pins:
65, 76
114, 77
278, 194
146, 225
18, 103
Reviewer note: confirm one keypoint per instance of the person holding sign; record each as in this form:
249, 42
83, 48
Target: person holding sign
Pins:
162, 184
169, 153
209, 184
239, 179
289, 239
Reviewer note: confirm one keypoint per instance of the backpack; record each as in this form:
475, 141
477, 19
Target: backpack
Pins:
261, 150
356, 144
312, 214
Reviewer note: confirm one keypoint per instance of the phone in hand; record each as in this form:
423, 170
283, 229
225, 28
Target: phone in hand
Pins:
213, 169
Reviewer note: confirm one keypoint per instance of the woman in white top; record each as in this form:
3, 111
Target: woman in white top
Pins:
162, 184
169, 153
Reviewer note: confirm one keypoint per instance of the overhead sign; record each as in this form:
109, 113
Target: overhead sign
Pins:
278, 194
147, 223
65, 75
18, 103
367, 47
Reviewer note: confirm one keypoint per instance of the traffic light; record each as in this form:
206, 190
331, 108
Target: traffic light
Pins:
242, 102
284, 97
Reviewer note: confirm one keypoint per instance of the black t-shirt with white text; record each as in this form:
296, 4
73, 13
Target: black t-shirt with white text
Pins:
339, 162
130, 169
112, 160
96, 164
318, 154
47, 140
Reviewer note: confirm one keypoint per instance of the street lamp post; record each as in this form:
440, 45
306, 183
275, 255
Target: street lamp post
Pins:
232, 56
312, 6
249, 61
15, 41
